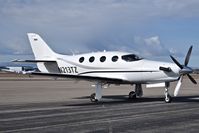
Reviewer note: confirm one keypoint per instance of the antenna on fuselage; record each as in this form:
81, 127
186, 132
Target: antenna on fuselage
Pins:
74, 52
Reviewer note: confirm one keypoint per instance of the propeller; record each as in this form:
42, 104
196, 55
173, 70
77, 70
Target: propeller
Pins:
178, 86
185, 70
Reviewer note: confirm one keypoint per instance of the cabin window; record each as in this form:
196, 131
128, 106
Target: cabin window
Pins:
103, 58
114, 58
81, 59
131, 57
91, 59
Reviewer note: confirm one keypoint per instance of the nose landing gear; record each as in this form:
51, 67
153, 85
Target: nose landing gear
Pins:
168, 98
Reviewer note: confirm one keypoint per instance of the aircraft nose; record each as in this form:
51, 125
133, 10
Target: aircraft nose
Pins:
186, 70
175, 69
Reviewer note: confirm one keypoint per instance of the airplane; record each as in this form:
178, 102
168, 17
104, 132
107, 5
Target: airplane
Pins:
110, 67
18, 69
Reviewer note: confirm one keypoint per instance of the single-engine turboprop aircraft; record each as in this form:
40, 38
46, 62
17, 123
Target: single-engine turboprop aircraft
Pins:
105, 68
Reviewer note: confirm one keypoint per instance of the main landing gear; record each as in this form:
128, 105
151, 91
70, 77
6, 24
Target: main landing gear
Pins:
137, 93
95, 97
132, 95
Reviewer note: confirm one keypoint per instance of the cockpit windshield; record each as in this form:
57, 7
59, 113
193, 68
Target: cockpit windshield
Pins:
131, 57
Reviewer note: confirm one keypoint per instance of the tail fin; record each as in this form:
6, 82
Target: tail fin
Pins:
44, 56
40, 49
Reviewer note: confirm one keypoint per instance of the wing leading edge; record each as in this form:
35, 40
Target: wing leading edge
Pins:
83, 77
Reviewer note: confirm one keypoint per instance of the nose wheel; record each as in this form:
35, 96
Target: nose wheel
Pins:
168, 99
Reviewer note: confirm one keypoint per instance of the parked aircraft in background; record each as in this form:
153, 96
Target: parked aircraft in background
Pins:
18, 69
114, 67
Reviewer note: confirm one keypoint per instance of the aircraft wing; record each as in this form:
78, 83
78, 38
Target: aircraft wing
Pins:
82, 77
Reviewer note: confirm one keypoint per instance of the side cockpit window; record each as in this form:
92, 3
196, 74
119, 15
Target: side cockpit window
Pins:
131, 57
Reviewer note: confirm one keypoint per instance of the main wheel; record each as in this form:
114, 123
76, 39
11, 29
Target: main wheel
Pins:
168, 99
132, 95
92, 98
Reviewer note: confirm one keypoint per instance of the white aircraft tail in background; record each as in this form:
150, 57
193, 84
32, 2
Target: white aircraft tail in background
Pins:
18, 69
113, 67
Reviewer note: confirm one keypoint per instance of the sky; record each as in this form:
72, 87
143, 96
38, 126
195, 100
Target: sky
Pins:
153, 29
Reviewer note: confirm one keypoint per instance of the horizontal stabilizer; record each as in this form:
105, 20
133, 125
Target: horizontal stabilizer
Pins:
34, 61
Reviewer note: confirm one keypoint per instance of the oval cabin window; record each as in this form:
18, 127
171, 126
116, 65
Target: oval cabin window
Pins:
114, 58
91, 59
81, 59
103, 58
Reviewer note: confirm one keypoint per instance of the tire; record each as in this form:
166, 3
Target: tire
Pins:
92, 98
132, 95
168, 99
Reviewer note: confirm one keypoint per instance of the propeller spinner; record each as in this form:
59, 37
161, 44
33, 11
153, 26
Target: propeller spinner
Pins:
185, 70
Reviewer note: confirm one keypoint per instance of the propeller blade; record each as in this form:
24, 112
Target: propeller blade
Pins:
192, 79
178, 86
188, 56
177, 63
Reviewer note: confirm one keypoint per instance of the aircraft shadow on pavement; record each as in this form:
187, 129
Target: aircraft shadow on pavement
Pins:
123, 99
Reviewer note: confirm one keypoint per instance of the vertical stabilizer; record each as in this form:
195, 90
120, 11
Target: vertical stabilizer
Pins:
43, 52
40, 49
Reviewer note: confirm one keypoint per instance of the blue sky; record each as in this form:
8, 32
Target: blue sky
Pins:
153, 28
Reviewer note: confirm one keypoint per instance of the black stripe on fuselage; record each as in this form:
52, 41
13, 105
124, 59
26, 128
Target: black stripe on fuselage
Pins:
115, 72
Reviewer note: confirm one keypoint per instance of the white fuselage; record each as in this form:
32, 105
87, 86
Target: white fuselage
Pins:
133, 71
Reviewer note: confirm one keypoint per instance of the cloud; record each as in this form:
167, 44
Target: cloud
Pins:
150, 46
153, 41
49, 11
89, 25
15, 46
